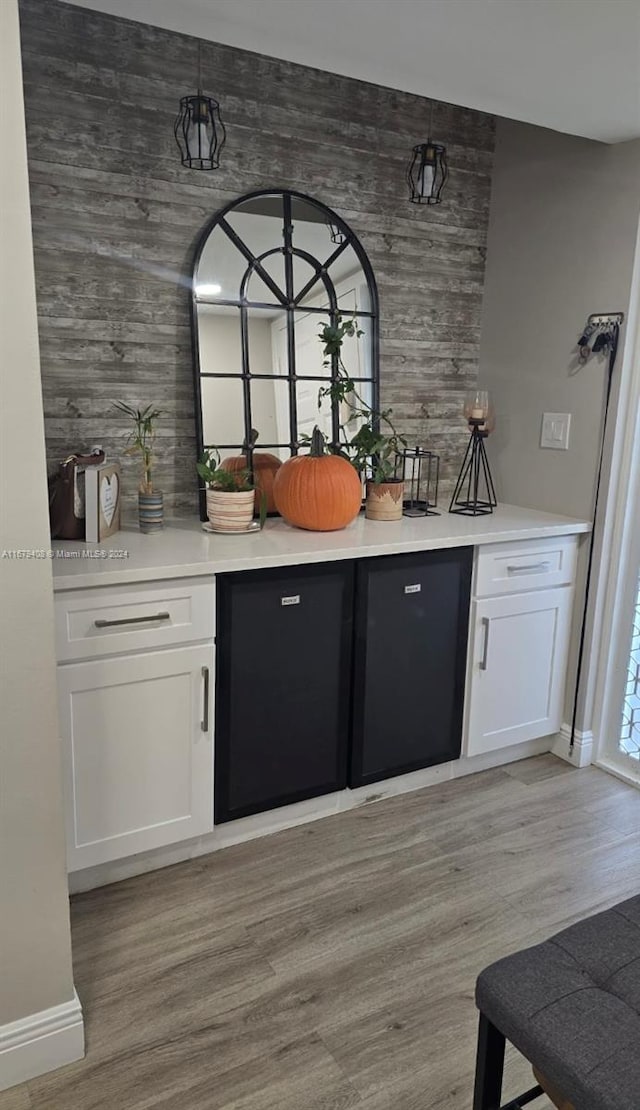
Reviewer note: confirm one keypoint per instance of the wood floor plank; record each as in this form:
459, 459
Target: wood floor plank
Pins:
539, 768
592, 881
199, 979
579, 794
17, 1098
405, 1056
426, 903
422, 1058
184, 1072
512, 858
333, 965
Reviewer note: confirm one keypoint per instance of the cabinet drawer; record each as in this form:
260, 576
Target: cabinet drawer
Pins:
508, 568
110, 620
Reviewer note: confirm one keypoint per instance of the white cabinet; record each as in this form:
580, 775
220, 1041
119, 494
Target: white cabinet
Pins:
138, 752
518, 657
135, 690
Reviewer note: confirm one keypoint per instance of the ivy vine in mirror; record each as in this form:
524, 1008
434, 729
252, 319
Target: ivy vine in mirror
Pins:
371, 449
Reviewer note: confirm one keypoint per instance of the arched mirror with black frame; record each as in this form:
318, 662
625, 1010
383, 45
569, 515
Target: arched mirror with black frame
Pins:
270, 270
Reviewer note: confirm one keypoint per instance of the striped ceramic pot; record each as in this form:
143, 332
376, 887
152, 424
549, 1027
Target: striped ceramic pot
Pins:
151, 512
230, 512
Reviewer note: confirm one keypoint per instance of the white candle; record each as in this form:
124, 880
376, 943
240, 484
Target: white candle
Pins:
477, 414
426, 180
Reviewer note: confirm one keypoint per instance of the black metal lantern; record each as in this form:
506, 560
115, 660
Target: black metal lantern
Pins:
199, 132
427, 173
335, 234
420, 472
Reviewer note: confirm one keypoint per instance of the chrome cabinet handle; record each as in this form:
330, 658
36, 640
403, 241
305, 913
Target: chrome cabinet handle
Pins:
133, 620
523, 568
485, 649
204, 724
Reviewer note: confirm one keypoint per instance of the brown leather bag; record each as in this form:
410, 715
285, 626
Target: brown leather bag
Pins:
66, 496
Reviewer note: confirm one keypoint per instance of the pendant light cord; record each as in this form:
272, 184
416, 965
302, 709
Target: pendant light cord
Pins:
613, 350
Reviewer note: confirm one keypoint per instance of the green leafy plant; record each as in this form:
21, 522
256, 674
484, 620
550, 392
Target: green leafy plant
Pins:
141, 438
377, 451
215, 477
374, 446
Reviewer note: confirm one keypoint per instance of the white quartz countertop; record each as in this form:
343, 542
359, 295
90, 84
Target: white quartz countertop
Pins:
184, 550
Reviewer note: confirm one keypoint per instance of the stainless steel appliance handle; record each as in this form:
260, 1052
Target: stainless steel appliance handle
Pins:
524, 568
485, 649
204, 724
133, 620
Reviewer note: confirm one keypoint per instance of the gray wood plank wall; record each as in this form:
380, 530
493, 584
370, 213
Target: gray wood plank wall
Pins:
116, 219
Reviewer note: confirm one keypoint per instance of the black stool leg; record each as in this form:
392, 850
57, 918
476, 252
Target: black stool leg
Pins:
489, 1066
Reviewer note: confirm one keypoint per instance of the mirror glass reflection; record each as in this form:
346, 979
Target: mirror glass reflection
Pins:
271, 272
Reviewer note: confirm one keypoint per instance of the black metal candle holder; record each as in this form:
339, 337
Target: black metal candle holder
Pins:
475, 493
420, 470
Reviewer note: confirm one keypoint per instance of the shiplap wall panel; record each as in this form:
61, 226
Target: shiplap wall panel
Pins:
116, 219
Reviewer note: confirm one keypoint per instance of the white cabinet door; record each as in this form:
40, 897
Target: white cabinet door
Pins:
518, 659
138, 752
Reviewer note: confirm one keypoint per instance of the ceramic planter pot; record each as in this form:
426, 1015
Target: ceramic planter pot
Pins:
230, 512
151, 512
384, 500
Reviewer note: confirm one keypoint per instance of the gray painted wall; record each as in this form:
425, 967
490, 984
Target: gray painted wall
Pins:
562, 235
116, 219
562, 238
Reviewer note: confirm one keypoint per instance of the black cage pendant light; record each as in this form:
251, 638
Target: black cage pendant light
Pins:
199, 130
427, 171
335, 234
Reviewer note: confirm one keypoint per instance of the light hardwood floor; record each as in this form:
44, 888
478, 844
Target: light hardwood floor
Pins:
333, 965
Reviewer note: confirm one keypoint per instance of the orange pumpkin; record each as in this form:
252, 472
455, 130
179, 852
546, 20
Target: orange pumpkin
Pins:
265, 468
317, 491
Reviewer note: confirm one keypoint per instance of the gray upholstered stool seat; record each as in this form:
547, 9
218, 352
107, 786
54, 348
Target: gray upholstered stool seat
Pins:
572, 1007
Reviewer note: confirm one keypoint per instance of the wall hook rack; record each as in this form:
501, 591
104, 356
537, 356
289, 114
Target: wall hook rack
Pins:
605, 319
599, 325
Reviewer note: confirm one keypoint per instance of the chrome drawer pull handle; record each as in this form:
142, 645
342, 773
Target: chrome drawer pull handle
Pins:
523, 568
485, 650
133, 620
204, 724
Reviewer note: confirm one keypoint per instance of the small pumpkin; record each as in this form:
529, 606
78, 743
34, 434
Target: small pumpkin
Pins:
265, 468
317, 491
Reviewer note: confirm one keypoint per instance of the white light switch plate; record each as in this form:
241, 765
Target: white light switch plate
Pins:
555, 430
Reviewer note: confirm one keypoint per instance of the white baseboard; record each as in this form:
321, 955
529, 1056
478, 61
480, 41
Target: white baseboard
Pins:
300, 813
582, 753
41, 1042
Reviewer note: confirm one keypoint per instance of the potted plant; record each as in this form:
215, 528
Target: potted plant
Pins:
264, 466
375, 457
141, 439
375, 444
230, 494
